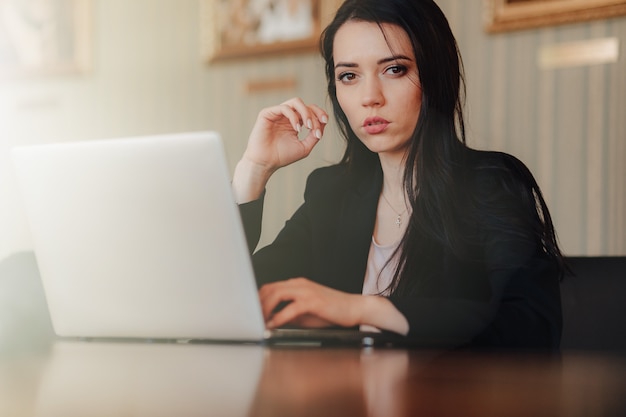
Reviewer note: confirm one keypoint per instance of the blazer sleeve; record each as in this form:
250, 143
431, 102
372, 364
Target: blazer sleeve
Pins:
523, 312
289, 255
328, 237
251, 217
521, 308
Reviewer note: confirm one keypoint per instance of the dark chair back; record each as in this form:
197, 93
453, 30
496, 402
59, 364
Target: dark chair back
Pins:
594, 304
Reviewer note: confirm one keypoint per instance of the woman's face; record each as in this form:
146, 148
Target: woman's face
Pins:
378, 84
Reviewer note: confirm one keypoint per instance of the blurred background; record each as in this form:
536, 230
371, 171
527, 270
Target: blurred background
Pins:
117, 68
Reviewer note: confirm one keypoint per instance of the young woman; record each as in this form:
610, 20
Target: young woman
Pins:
412, 232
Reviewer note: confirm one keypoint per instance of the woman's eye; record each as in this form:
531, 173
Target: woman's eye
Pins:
346, 77
396, 70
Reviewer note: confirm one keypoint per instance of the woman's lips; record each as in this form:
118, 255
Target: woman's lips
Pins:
374, 125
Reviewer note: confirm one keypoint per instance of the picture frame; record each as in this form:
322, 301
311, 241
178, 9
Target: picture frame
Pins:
40, 38
508, 15
234, 29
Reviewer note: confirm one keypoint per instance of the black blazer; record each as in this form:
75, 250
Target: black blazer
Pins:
504, 294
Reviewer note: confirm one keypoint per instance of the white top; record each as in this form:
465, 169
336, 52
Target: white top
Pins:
378, 276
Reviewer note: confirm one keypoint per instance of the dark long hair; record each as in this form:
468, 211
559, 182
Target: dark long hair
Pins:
437, 150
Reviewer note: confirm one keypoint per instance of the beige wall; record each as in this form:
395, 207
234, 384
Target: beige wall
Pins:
147, 77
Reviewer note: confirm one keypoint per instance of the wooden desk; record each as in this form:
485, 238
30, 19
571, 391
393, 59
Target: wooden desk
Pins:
142, 379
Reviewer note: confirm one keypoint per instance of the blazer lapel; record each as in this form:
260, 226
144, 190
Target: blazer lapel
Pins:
357, 217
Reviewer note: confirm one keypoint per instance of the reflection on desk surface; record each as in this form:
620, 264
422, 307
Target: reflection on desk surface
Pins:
168, 379
151, 379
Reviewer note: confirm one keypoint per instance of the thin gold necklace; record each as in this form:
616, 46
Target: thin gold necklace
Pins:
399, 215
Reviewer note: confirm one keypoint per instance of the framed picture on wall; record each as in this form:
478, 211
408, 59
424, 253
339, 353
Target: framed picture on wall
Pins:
44, 37
251, 28
505, 15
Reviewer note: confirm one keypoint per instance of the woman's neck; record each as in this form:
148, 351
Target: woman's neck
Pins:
393, 177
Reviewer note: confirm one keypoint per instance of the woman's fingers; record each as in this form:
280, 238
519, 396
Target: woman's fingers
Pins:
281, 114
276, 296
301, 301
308, 320
314, 119
310, 116
302, 110
287, 315
275, 140
295, 112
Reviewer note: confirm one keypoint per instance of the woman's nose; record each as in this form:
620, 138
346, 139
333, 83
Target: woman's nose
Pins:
372, 94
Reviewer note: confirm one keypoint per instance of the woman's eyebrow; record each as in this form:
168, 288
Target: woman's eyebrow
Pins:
394, 58
380, 61
346, 65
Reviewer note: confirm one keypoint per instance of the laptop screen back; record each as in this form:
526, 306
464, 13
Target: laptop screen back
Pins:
140, 237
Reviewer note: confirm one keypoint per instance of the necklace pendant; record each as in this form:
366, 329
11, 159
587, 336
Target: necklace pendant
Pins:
399, 218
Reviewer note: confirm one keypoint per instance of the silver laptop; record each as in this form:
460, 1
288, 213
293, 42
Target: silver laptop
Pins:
141, 238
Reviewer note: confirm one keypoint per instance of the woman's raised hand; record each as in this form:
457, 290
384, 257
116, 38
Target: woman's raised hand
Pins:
274, 143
